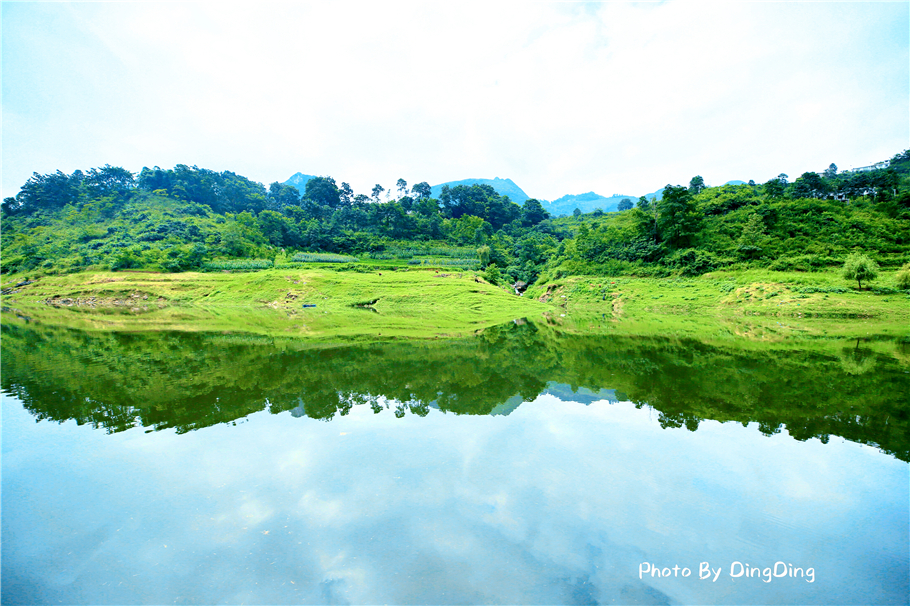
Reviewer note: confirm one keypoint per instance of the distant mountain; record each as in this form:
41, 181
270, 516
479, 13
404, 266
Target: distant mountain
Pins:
585, 203
582, 395
504, 187
299, 181
656, 195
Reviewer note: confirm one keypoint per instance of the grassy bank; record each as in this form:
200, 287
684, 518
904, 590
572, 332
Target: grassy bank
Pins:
422, 303
757, 305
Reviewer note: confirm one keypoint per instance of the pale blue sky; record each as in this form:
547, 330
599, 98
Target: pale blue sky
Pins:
553, 504
560, 97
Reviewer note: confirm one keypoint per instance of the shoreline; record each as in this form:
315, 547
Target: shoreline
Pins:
313, 302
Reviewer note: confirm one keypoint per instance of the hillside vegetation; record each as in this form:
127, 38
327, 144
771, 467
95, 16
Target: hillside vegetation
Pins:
193, 219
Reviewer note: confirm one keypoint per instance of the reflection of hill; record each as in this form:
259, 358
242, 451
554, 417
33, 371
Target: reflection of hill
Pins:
190, 380
580, 394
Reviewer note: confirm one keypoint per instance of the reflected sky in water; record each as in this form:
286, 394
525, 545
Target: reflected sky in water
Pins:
555, 503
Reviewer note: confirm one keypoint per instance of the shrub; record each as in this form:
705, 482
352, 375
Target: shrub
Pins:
693, 262
492, 274
902, 277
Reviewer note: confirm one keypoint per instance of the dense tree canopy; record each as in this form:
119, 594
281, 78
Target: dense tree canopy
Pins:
178, 219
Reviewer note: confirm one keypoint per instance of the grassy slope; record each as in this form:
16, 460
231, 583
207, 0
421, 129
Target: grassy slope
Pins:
405, 303
759, 305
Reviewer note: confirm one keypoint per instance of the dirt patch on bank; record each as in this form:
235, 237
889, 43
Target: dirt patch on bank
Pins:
617, 306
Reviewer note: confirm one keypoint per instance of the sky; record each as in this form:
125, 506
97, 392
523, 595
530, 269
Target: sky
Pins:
373, 509
563, 98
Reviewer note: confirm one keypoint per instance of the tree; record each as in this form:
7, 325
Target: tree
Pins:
421, 190
783, 178
753, 237
576, 213
677, 222
346, 194
533, 212
644, 204
483, 253
323, 191
809, 185
859, 267
402, 186
831, 171
377, 191
624, 204
696, 185
281, 195
774, 188
109, 180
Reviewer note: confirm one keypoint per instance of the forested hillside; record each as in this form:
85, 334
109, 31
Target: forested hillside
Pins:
188, 218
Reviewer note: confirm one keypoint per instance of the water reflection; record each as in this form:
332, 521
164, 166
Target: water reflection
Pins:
188, 381
569, 462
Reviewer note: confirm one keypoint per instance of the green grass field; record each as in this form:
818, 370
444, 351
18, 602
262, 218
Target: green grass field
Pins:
756, 304
378, 302
419, 303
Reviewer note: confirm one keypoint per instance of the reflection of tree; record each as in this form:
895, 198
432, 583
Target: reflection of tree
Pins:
188, 381
856, 360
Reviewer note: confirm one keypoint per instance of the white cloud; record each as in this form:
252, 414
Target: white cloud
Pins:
562, 98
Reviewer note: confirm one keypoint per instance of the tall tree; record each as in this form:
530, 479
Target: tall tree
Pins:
533, 212
752, 238
346, 194
774, 188
677, 220
422, 190
323, 191
696, 185
809, 185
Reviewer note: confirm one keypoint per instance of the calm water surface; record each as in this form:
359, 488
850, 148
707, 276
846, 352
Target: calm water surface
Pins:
522, 466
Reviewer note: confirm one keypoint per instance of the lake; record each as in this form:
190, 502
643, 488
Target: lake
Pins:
523, 465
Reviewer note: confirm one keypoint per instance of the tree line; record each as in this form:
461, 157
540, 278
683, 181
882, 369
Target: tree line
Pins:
177, 219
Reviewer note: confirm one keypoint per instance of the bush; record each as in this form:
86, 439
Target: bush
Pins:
492, 274
693, 262
902, 277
